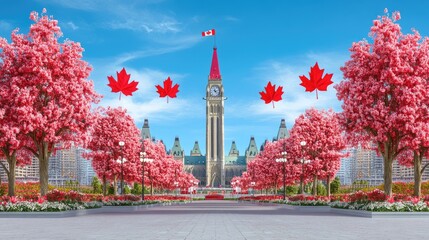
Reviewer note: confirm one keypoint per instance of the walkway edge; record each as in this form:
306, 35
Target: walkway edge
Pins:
75, 213
349, 212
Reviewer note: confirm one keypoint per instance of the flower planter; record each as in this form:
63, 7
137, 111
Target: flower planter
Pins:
63, 214
315, 209
214, 197
369, 214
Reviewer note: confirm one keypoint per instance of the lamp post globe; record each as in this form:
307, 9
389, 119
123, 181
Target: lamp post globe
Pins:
121, 145
143, 160
303, 162
283, 160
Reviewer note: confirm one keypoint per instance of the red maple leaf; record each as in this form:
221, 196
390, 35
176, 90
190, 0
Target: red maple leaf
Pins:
271, 94
167, 90
316, 81
122, 84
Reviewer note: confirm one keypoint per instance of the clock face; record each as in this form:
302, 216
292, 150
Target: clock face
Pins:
214, 91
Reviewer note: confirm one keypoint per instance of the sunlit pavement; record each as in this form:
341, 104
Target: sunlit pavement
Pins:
202, 220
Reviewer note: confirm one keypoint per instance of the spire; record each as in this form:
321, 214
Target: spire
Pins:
252, 149
196, 150
214, 70
233, 151
146, 130
283, 132
177, 150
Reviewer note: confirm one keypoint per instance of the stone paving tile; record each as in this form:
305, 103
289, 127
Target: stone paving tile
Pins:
217, 220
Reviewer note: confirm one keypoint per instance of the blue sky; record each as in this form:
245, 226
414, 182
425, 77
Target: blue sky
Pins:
257, 42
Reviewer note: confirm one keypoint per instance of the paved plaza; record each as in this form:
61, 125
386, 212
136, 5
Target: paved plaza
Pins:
202, 220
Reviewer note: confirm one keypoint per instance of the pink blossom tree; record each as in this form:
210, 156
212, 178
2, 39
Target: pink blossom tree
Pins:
266, 172
12, 141
243, 181
47, 84
385, 80
322, 133
295, 152
112, 126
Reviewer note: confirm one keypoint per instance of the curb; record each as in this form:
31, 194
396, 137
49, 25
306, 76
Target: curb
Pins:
76, 213
369, 214
349, 212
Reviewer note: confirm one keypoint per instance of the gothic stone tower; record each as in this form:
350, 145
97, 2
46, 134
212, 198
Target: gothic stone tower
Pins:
215, 162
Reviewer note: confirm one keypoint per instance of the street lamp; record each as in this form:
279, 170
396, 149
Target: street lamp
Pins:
143, 160
176, 184
191, 188
303, 162
121, 145
283, 160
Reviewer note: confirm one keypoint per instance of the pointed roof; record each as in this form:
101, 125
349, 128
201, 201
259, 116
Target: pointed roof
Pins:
263, 145
233, 151
283, 132
196, 150
252, 149
177, 150
146, 130
214, 70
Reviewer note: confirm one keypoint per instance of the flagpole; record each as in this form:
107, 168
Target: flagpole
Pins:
214, 41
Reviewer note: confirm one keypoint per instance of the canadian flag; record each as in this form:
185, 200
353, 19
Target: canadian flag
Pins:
208, 33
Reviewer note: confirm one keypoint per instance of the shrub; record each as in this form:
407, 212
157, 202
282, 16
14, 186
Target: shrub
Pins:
3, 189
111, 190
292, 190
321, 189
335, 185
96, 185
127, 190
137, 189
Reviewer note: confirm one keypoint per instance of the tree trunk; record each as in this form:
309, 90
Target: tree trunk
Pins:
11, 175
104, 185
151, 187
388, 166
115, 186
315, 185
275, 187
43, 168
417, 174
328, 187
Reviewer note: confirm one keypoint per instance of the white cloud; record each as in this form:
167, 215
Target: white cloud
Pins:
147, 23
85, 5
231, 19
135, 16
71, 25
154, 109
5, 26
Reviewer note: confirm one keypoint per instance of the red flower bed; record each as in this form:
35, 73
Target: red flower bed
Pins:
308, 198
89, 197
127, 197
261, 198
15, 199
214, 197
60, 196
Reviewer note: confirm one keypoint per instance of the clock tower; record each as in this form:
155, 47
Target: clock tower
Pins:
215, 162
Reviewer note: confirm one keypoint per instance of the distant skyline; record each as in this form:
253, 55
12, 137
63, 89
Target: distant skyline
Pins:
273, 41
